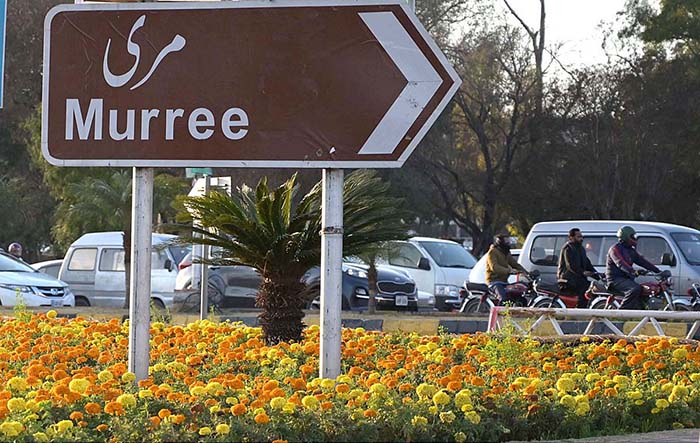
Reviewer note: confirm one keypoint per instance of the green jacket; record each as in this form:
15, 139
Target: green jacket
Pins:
499, 265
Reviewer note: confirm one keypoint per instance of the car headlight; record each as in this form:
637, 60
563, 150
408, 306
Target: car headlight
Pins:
447, 291
17, 288
359, 273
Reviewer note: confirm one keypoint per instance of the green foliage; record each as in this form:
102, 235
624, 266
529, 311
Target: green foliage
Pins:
676, 20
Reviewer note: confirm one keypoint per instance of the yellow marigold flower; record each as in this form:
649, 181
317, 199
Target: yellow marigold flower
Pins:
64, 425
447, 417
419, 421
655, 410
310, 402
327, 383
639, 402
679, 391
583, 368
12, 428
278, 403
462, 398
433, 410
677, 425
680, 353
662, 403
213, 387
695, 376
145, 393
566, 384
127, 400
79, 385
16, 405
17, 384
582, 409
289, 408
441, 398
198, 391
40, 437
425, 390
128, 377
231, 400
548, 366
104, 376
378, 389
634, 395
51, 313
204, 430
460, 437
667, 387
592, 377
344, 379
568, 401
473, 417
621, 380
223, 429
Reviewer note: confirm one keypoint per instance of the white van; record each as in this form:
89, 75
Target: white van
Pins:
439, 267
94, 269
672, 247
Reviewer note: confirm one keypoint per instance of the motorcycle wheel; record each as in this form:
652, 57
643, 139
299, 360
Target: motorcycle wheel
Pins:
475, 305
549, 304
677, 306
601, 304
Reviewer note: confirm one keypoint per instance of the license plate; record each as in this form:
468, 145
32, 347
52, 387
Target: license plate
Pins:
402, 300
56, 303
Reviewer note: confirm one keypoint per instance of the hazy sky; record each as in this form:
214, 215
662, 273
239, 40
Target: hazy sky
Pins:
575, 23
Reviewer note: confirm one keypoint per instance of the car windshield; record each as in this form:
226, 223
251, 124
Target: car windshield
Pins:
8, 264
449, 255
689, 244
179, 252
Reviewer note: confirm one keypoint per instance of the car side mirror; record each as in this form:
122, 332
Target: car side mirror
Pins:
667, 259
168, 265
424, 264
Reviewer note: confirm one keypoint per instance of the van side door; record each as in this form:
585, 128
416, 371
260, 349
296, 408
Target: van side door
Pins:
652, 247
110, 284
78, 271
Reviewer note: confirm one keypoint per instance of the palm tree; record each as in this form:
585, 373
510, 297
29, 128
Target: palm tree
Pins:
104, 203
264, 229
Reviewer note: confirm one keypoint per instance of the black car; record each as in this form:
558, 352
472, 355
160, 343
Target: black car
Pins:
396, 290
237, 287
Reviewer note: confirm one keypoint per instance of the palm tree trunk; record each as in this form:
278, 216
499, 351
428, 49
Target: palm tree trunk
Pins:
372, 283
126, 238
282, 301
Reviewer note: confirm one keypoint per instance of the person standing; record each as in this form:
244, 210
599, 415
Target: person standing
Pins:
619, 270
15, 249
575, 267
499, 265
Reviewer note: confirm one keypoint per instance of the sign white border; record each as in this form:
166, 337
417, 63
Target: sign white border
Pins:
3, 45
240, 163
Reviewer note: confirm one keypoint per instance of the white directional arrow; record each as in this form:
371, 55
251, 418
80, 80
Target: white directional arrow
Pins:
423, 82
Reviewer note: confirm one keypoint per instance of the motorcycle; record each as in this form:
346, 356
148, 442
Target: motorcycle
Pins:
657, 295
480, 298
694, 293
560, 298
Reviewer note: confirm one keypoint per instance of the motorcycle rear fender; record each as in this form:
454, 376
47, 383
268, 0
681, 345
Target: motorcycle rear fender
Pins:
557, 303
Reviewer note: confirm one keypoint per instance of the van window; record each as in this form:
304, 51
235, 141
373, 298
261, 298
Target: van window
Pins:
83, 259
158, 258
112, 260
449, 255
689, 244
597, 248
653, 248
405, 255
545, 250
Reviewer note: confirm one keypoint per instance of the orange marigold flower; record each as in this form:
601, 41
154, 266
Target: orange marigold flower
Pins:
239, 409
114, 408
370, 413
155, 421
93, 408
262, 419
270, 385
76, 415
103, 427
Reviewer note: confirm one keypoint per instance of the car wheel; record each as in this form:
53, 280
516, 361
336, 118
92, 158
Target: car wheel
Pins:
158, 303
81, 301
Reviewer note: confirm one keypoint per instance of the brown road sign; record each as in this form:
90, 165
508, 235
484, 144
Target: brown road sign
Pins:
240, 84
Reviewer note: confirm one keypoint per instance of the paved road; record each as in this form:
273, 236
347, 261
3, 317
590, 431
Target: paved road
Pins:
677, 436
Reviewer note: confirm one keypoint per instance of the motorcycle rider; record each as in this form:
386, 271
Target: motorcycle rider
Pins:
619, 271
575, 267
499, 265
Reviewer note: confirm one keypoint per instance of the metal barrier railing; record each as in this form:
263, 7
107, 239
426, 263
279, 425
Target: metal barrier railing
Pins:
497, 319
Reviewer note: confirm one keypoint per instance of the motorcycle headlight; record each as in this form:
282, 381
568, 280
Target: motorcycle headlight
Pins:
359, 273
17, 288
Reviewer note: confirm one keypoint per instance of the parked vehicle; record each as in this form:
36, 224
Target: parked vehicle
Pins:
19, 282
481, 298
669, 247
237, 286
50, 267
438, 267
94, 269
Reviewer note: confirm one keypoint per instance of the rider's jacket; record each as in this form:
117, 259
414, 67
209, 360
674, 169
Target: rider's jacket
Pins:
621, 257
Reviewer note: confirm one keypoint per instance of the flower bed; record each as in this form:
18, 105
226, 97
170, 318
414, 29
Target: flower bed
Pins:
67, 380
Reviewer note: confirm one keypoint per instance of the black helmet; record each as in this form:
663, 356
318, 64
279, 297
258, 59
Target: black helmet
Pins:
502, 241
626, 233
